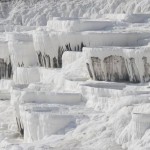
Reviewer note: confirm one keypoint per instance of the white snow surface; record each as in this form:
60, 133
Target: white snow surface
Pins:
38, 12
59, 50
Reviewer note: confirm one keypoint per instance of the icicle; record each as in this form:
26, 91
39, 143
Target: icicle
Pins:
98, 73
20, 128
135, 72
89, 70
55, 62
115, 69
9, 70
44, 60
60, 57
82, 45
69, 47
146, 76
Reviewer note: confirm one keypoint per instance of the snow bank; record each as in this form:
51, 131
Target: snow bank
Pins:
130, 18
5, 88
51, 97
118, 64
51, 76
102, 96
111, 97
78, 25
4, 49
6, 84
32, 13
102, 89
41, 121
4, 95
76, 71
137, 18
24, 75
69, 57
29, 95
15, 28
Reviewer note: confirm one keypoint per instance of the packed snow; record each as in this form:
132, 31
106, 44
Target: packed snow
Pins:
74, 75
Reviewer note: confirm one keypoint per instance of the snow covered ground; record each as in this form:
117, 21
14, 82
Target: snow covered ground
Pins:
74, 75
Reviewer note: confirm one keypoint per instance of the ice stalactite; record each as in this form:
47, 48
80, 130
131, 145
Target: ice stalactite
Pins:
134, 71
55, 65
5, 69
20, 126
89, 70
44, 60
115, 69
96, 64
146, 76
40, 58
48, 61
60, 53
118, 64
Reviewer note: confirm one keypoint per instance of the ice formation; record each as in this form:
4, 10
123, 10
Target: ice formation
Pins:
21, 50
74, 75
41, 120
118, 64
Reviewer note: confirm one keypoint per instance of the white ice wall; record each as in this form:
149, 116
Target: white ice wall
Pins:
42, 120
52, 44
21, 50
4, 50
138, 54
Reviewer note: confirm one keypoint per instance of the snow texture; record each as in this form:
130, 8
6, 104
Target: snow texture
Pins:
75, 75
